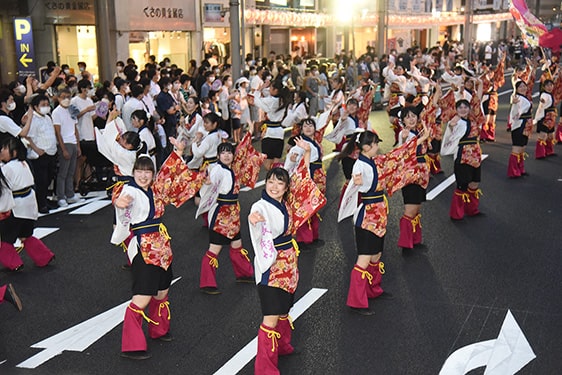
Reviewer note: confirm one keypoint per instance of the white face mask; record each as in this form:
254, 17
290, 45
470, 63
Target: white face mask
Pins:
91, 92
105, 100
211, 79
11, 106
169, 87
82, 68
21, 89
44, 110
67, 71
119, 68
177, 86
65, 102
127, 89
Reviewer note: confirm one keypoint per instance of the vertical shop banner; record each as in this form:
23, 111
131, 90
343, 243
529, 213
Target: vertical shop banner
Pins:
25, 53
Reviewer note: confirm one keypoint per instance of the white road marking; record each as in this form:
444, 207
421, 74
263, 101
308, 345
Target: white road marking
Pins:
262, 182
90, 197
444, 185
38, 232
79, 337
506, 355
92, 207
241, 359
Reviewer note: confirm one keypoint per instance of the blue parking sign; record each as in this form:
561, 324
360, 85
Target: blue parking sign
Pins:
25, 53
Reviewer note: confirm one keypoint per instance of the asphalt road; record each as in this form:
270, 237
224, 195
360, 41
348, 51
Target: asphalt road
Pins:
455, 292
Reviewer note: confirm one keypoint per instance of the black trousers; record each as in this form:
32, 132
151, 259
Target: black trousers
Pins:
44, 170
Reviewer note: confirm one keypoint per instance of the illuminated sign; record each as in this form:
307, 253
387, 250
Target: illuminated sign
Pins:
25, 53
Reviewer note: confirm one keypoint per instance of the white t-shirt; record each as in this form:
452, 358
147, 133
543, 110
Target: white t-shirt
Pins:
7, 125
62, 118
85, 123
130, 106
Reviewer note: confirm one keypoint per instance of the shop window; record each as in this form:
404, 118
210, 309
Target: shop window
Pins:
77, 43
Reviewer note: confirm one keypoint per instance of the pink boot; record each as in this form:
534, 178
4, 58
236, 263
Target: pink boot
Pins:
209, 265
37, 251
540, 149
267, 356
549, 148
285, 329
241, 263
133, 337
457, 204
406, 239
374, 289
304, 233
471, 207
521, 164
9, 257
358, 286
159, 313
513, 166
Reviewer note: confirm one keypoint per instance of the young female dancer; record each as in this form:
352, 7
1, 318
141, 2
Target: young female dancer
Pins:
139, 208
224, 222
414, 193
285, 204
521, 127
372, 175
19, 223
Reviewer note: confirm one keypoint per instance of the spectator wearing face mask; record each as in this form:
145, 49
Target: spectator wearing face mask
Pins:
7, 124
206, 87
133, 104
122, 95
83, 72
167, 106
42, 150
18, 90
86, 115
119, 70
68, 149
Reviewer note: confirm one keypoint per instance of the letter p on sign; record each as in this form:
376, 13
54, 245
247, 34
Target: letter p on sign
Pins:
21, 27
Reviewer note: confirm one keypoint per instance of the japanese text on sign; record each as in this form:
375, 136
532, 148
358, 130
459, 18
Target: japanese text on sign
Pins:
68, 5
151, 12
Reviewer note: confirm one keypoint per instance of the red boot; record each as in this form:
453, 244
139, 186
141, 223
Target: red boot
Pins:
241, 263
315, 226
406, 239
416, 223
361, 279
471, 207
209, 265
133, 339
549, 148
9, 257
558, 135
205, 216
267, 356
540, 149
304, 233
513, 166
159, 313
37, 251
377, 270
457, 204
285, 329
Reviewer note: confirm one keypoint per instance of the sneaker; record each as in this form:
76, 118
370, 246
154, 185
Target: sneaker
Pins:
73, 199
62, 203
210, 290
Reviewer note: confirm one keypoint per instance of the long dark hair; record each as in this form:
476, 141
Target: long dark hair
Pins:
141, 115
282, 175
365, 138
283, 93
15, 147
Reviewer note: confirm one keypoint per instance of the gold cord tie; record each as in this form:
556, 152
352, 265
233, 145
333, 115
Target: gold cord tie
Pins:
244, 253
465, 196
165, 305
273, 335
144, 316
214, 262
365, 274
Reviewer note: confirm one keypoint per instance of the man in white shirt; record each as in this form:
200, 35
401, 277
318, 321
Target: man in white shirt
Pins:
133, 104
43, 149
123, 91
68, 149
85, 105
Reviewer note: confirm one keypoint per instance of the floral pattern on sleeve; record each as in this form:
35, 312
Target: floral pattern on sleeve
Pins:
175, 183
247, 162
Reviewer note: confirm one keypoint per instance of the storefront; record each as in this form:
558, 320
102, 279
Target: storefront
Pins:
216, 30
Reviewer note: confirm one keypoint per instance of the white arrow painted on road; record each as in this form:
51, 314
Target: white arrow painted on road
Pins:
79, 337
506, 355
241, 359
